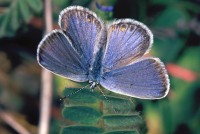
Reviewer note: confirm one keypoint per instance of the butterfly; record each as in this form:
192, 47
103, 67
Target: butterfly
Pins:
85, 49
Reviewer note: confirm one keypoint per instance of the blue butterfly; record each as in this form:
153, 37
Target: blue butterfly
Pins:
88, 50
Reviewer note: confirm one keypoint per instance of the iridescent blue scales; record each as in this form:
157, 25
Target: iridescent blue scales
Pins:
110, 55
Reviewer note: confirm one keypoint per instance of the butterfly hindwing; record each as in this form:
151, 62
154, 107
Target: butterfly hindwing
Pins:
146, 79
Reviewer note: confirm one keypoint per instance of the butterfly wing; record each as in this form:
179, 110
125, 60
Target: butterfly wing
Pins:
127, 40
83, 28
56, 53
146, 79
69, 52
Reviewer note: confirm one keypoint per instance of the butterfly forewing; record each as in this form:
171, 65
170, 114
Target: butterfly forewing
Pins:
83, 28
127, 40
55, 53
146, 79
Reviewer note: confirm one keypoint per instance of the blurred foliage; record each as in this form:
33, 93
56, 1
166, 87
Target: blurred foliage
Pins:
176, 28
17, 13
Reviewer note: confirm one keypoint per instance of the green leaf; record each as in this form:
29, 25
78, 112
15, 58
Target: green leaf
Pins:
81, 2
122, 121
62, 3
192, 56
24, 10
5, 19
167, 49
15, 19
81, 130
35, 5
112, 103
81, 114
170, 17
19, 12
122, 132
194, 123
5, 2
164, 2
83, 96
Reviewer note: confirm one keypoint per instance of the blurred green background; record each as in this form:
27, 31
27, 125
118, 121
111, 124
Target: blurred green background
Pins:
176, 28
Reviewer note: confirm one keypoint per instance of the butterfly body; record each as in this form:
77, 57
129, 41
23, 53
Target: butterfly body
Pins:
111, 55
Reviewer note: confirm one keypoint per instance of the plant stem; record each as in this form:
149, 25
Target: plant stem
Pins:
6, 117
46, 93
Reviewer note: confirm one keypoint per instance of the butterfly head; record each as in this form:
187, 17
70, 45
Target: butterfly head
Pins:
92, 85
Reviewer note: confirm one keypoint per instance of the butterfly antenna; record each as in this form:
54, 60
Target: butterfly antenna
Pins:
106, 98
61, 99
